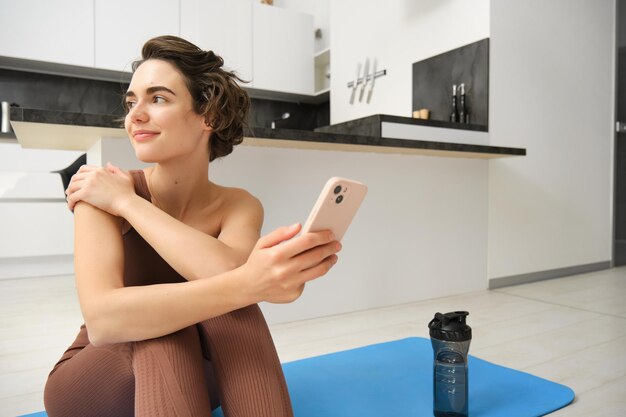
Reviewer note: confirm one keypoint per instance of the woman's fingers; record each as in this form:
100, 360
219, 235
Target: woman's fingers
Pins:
280, 264
277, 236
87, 168
76, 184
301, 253
114, 169
318, 270
85, 172
91, 183
292, 290
314, 256
80, 175
306, 242
73, 198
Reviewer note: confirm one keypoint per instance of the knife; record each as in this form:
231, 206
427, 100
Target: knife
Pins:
373, 77
355, 82
366, 70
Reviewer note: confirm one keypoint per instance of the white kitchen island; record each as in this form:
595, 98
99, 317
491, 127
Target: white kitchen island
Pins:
421, 232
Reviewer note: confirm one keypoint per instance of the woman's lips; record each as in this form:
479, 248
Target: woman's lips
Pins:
144, 135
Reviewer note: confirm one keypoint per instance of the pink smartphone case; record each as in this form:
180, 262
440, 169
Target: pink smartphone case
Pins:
334, 210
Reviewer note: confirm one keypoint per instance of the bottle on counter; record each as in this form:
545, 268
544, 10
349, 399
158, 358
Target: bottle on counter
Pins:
454, 116
450, 337
463, 115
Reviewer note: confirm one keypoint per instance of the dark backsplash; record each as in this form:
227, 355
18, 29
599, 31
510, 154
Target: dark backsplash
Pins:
433, 79
302, 116
54, 92
78, 95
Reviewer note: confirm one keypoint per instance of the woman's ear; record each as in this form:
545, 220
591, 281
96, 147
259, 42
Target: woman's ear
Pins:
208, 122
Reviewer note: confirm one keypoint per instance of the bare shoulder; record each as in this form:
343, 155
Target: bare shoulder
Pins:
237, 201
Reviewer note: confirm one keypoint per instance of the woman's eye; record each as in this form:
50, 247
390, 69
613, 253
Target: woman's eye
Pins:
159, 99
129, 105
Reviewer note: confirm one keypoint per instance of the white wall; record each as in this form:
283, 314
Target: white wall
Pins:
397, 33
551, 91
421, 232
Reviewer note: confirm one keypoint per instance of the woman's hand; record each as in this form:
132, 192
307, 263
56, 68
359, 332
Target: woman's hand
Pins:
279, 266
105, 188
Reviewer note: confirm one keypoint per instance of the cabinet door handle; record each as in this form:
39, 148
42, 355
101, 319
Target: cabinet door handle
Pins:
620, 127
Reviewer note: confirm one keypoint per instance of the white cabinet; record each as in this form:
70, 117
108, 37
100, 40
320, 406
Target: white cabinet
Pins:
225, 27
59, 31
269, 46
122, 27
282, 58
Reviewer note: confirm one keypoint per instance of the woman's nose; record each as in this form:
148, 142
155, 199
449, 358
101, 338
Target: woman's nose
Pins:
138, 113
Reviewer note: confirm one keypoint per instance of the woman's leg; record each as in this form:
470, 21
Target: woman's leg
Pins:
95, 382
249, 376
169, 376
157, 377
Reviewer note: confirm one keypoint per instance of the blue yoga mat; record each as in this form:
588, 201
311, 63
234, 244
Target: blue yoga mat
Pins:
395, 379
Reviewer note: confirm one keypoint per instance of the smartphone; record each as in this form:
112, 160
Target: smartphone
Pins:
336, 206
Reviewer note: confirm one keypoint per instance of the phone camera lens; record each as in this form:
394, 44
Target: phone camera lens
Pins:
339, 199
337, 189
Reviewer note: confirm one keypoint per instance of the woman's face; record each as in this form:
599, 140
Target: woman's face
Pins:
160, 122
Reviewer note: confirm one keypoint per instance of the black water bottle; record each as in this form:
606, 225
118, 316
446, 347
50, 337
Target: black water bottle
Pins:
450, 337
463, 116
454, 115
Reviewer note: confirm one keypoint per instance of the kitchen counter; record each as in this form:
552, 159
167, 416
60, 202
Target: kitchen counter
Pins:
49, 129
372, 125
387, 126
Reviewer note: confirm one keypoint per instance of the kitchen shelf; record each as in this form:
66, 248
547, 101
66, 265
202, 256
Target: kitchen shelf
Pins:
322, 57
322, 68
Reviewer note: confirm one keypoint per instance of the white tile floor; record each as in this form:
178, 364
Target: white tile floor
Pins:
570, 330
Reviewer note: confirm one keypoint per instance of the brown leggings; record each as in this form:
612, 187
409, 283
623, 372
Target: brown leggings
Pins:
168, 376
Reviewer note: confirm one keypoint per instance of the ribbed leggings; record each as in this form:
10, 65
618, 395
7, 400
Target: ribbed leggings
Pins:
170, 375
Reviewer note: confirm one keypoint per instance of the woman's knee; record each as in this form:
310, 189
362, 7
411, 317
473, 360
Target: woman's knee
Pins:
95, 382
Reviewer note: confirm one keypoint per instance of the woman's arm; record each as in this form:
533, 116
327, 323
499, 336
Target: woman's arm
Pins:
114, 313
192, 253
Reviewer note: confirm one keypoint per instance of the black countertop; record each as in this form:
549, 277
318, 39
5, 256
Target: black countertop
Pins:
371, 125
321, 136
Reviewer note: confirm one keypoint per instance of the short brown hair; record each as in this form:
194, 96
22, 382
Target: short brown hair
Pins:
214, 90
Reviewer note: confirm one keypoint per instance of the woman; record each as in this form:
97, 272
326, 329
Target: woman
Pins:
170, 267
